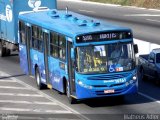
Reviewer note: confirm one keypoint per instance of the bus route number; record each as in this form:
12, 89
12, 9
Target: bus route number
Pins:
87, 38
108, 36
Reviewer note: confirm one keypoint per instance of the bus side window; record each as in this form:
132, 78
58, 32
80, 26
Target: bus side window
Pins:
34, 36
54, 44
37, 38
57, 46
40, 39
22, 32
62, 47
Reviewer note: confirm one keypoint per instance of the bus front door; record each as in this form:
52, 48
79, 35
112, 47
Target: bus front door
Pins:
28, 38
46, 74
71, 69
25, 60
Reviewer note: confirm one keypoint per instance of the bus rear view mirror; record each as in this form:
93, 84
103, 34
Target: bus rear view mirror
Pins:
72, 54
135, 48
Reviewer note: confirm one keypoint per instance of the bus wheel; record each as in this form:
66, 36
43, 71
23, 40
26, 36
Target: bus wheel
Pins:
38, 79
2, 50
70, 99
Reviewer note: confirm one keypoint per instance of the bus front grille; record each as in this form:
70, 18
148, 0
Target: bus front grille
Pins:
109, 77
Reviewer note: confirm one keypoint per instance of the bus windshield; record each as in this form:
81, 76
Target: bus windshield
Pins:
158, 58
105, 58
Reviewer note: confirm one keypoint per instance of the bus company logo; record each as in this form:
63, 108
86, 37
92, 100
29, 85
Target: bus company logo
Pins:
34, 3
9, 15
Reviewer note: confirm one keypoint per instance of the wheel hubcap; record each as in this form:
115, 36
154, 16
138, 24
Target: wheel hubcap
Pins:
68, 94
38, 79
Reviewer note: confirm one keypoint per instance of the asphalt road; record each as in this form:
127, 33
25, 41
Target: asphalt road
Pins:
32, 103
144, 23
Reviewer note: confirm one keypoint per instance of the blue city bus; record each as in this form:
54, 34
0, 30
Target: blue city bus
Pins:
77, 55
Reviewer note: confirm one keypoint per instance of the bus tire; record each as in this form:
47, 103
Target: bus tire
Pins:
70, 99
38, 79
2, 50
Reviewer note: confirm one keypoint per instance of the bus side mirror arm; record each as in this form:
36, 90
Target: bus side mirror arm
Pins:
135, 48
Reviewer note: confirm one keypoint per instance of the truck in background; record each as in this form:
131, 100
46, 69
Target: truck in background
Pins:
9, 11
149, 65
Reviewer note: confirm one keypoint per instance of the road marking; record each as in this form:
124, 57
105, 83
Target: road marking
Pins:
94, 3
150, 98
30, 118
31, 76
52, 99
29, 87
87, 11
153, 20
7, 94
154, 10
11, 87
27, 102
35, 110
143, 15
111, 5
6, 81
58, 111
21, 95
134, 7
16, 102
46, 96
29, 95
45, 103
14, 109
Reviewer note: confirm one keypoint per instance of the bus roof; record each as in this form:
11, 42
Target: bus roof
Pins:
68, 23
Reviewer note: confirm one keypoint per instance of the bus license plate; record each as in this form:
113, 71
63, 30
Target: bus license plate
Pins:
108, 91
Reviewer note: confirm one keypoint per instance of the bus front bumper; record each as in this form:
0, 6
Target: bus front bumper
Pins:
85, 93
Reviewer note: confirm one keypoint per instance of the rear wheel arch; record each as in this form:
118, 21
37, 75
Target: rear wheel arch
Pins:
35, 68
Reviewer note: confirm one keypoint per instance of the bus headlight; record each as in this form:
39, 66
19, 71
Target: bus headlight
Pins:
84, 85
134, 78
80, 83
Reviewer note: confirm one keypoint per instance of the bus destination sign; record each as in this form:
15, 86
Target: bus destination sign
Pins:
98, 37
